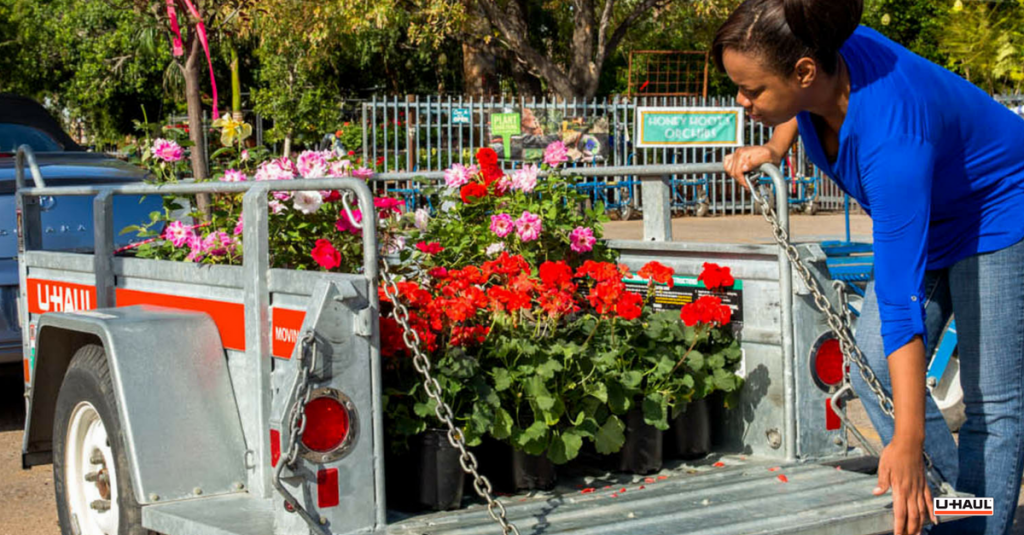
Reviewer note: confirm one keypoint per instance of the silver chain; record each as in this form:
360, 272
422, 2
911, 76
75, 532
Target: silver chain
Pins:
840, 327
444, 413
297, 400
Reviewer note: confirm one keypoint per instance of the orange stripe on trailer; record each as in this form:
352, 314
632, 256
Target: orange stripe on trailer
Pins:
28, 371
229, 317
285, 324
58, 296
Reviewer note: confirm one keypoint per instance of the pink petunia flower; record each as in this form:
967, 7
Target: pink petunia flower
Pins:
459, 175
363, 173
312, 164
344, 224
239, 227
307, 202
177, 233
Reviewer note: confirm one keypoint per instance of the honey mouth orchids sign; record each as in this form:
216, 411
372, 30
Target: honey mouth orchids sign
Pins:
689, 127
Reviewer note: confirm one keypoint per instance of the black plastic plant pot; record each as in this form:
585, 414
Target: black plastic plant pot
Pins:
642, 452
532, 472
492, 457
689, 434
428, 477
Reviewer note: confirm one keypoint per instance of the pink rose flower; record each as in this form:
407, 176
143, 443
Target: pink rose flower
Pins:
167, 150
528, 227
459, 175
501, 225
232, 175
344, 224
525, 179
582, 239
363, 173
312, 164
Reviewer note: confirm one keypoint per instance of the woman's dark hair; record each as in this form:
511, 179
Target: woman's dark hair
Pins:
784, 31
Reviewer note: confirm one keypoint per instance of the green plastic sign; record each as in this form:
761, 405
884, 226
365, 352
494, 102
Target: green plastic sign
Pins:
689, 127
506, 125
460, 116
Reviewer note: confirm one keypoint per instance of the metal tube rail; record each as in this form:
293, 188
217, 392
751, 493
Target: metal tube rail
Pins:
25, 153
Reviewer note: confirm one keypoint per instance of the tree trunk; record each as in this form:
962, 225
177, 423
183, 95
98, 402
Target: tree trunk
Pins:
196, 129
479, 72
527, 85
287, 152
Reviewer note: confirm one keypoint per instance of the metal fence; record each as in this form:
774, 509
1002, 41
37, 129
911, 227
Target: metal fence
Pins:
430, 134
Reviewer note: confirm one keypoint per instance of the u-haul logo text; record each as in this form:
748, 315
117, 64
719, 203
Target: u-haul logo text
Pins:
52, 296
964, 506
285, 326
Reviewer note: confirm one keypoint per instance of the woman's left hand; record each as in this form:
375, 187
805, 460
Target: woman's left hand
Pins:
901, 468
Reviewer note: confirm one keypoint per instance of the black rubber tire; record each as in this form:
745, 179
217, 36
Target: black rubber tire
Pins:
88, 379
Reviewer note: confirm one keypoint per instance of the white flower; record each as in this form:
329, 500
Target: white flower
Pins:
276, 206
307, 202
422, 218
495, 248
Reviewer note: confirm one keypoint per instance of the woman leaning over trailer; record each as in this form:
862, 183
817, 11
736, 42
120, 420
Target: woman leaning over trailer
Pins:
939, 166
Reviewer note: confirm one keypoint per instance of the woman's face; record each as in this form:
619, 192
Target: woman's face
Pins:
767, 97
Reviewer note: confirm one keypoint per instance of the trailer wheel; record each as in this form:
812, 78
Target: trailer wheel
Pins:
90, 467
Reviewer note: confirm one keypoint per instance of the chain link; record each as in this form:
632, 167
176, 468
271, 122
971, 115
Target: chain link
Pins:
296, 421
839, 324
444, 413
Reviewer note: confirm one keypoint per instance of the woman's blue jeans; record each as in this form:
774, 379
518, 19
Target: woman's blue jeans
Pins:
986, 293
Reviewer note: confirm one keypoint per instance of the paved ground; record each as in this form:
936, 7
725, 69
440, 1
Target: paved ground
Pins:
26, 497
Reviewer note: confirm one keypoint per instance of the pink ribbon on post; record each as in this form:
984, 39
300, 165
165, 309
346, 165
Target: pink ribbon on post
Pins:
178, 48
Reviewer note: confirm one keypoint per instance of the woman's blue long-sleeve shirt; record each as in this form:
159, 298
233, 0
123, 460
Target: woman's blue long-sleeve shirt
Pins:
935, 161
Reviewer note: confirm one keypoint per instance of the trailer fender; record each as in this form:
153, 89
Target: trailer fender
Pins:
181, 425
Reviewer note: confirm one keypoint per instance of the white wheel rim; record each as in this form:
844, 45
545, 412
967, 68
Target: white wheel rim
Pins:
86, 438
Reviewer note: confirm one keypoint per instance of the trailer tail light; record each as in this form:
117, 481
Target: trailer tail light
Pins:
327, 490
331, 426
275, 447
827, 363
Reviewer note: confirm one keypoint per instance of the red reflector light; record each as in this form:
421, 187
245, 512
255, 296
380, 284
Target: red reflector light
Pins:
828, 363
327, 491
28, 371
326, 424
275, 447
832, 421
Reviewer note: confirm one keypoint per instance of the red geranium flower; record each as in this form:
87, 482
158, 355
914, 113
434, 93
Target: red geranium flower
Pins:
656, 272
438, 273
716, 277
391, 342
486, 157
605, 295
473, 192
332, 196
326, 255
557, 303
629, 306
462, 336
557, 275
505, 264
600, 271
492, 174
431, 248
706, 310
387, 205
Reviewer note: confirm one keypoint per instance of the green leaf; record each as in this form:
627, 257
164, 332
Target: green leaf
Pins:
619, 400
611, 436
716, 361
632, 379
424, 410
502, 427
502, 379
696, 360
565, 447
598, 390
548, 368
655, 409
724, 380
536, 389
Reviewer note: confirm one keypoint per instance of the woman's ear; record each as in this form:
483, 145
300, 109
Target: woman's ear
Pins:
806, 72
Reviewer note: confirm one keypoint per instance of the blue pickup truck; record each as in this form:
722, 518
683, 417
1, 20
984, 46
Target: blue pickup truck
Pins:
67, 222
